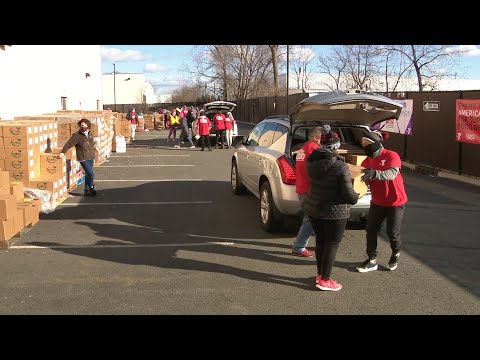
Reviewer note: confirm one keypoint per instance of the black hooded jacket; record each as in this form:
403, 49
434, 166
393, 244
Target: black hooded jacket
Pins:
331, 191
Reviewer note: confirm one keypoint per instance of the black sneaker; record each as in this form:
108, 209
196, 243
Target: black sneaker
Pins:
393, 262
86, 192
368, 265
93, 191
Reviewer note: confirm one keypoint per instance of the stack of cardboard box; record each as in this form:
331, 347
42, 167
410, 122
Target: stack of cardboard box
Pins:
16, 212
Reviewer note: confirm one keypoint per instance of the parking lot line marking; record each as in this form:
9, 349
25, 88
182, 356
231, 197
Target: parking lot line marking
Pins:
137, 203
129, 166
109, 246
149, 180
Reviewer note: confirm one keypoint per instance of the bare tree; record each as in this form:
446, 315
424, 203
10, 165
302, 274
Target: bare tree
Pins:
430, 63
300, 59
239, 70
274, 51
334, 66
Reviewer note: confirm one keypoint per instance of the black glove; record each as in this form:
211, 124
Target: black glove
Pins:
368, 174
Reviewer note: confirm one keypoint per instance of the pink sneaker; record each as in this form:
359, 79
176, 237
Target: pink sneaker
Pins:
317, 279
304, 253
328, 285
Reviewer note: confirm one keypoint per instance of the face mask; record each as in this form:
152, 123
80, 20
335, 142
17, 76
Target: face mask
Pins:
371, 149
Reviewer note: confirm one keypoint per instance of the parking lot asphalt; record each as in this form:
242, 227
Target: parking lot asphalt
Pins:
165, 235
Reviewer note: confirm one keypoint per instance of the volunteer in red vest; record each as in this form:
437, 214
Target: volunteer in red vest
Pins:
133, 117
383, 175
302, 184
229, 123
219, 124
203, 130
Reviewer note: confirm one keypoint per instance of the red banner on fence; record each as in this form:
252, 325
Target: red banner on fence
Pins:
468, 121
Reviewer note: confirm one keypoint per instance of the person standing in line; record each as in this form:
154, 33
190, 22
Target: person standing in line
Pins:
229, 122
84, 146
219, 124
184, 136
173, 124
327, 205
133, 117
302, 184
203, 130
382, 173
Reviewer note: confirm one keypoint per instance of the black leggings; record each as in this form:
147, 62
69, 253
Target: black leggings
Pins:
328, 235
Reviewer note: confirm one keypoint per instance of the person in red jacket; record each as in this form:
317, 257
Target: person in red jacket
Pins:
203, 129
229, 122
382, 173
302, 184
219, 124
133, 117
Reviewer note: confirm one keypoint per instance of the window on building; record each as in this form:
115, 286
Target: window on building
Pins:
98, 105
63, 101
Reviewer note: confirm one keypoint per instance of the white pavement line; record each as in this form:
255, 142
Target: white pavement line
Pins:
137, 203
211, 237
124, 180
129, 166
177, 245
135, 156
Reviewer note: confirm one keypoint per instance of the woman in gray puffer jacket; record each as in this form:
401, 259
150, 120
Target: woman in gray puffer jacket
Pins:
327, 204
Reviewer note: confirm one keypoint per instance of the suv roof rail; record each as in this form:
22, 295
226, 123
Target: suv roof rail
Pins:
277, 117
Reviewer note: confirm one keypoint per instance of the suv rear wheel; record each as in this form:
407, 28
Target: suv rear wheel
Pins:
237, 187
270, 217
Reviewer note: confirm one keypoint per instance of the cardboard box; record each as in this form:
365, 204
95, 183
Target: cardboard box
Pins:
16, 189
8, 206
18, 221
358, 185
7, 230
354, 159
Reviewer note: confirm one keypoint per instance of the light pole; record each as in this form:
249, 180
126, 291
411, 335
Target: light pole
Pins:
287, 76
114, 93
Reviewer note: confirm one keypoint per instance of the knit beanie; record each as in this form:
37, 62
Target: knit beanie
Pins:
375, 139
329, 139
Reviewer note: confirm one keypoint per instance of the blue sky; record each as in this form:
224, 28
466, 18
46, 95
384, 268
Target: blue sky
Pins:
163, 64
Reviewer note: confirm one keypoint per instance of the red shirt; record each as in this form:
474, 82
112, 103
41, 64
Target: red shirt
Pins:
228, 123
134, 118
302, 183
386, 192
203, 125
219, 121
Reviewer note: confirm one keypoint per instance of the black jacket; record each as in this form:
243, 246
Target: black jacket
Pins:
331, 191
83, 146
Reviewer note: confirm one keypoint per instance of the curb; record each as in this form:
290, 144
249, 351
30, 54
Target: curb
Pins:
446, 174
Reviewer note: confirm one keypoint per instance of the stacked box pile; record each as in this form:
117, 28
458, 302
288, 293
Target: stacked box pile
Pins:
121, 127
158, 122
22, 142
149, 122
16, 212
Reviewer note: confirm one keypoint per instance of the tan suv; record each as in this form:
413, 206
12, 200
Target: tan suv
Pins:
264, 161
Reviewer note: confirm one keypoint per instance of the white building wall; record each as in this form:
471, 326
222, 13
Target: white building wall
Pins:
320, 81
117, 89
33, 78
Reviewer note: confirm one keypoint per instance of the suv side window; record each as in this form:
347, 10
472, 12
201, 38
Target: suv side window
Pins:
267, 135
254, 136
279, 131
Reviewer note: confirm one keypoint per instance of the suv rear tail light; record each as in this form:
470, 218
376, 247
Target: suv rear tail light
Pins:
286, 170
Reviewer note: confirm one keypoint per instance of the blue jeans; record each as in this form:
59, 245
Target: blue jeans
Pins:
87, 165
306, 230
